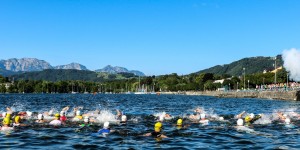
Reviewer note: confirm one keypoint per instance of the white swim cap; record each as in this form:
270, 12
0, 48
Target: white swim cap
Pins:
106, 124
202, 116
50, 112
4, 114
284, 115
40, 116
221, 118
62, 113
124, 118
240, 122
86, 119
29, 113
161, 118
78, 113
287, 121
251, 115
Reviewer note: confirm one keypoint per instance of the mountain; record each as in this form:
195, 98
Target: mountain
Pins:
70, 74
24, 64
71, 66
251, 65
116, 69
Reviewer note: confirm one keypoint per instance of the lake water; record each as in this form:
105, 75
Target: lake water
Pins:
268, 133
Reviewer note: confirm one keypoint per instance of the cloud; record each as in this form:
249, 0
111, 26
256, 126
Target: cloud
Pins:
291, 61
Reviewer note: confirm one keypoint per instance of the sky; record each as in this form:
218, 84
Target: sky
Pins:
153, 36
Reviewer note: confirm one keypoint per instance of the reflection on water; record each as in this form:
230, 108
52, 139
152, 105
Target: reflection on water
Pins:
140, 111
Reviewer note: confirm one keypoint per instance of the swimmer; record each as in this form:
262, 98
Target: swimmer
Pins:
119, 114
40, 118
123, 120
281, 116
288, 123
6, 122
179, 124
157, 131
78, 116
251, 118
105, 130
203, 119
63, 117
56, 121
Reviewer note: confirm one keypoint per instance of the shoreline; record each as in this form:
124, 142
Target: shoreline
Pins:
278, 95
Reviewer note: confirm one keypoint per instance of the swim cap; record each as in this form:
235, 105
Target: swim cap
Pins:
4, 114
29, 113
202, 116
124, 118
287, 121
251, 115
240, 122
86, 119
50, 112
40, 116
62, 113
248, 119
78, 113
6, 121
17, 119
7, 115
284, 115
221, 118
179, 122
106, 124
56, 115
161, 118
157, 127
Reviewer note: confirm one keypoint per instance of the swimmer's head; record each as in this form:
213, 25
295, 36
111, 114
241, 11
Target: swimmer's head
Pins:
161, 118
221, 118
78, 113
106, 125
157, 127
62, 113
123, 118
4, 114
251, 115
86, 119
179, 122
40, 116
29, 113
240, 122
202, 116
17, 119
287, 121
6, 121
57, 115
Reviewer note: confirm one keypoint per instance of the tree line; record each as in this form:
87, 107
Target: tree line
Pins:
171, 82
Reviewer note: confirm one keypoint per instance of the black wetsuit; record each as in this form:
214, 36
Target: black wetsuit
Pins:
156, 134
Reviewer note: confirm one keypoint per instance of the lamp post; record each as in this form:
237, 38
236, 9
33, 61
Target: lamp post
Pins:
275, 71
248, 84
287, 81
229, 87
237, 85
244, 78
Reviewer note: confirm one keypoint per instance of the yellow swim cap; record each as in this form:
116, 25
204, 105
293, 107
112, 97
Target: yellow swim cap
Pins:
179, 122
6, 121
17, 119
7, 116
157, 127
56, 115
248, 119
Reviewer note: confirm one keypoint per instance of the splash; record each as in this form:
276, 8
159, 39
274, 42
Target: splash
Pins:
291, 60
106, 115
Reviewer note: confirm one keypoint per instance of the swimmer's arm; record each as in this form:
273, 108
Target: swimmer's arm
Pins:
66, 108
163, 136
240, 115
147, 134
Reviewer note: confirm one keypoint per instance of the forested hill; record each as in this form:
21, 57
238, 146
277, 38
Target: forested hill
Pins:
70, 74
251, 65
